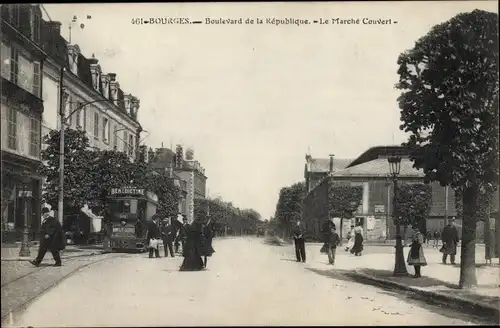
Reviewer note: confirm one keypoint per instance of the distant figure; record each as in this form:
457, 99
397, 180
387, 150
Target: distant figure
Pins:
51, 238
154, 236
450, 239
357, 248
300, 244
437, 236
332, 240
208, 233
182, 235
350, 239
168, 235
193, 247
416, 254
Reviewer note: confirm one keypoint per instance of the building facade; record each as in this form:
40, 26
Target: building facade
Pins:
22, 107
370, 170
93, 100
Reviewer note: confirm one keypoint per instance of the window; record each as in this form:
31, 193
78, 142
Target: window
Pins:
12, 129
96, 125
125, 141
105, 129
36, 79
15, 13
5, 57
115, 138
34, 141
130, 145
81, 117
35, 27
14, 65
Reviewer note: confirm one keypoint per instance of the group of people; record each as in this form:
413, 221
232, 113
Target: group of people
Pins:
416, 258
195, 239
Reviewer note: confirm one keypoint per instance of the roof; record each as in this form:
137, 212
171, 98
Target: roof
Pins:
84, 70
322, 165
379, 168
54, 44
376, 152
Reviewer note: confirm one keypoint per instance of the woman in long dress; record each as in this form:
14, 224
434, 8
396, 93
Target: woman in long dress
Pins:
193, 250
350, 239
357, 248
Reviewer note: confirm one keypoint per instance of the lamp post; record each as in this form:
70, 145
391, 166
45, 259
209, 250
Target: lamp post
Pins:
399, 266
25, 193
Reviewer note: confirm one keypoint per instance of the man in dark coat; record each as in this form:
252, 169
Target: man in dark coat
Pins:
208, 232
450, 239
168, 235
298, 233
331, 239
153, 233
183, 230
51, 238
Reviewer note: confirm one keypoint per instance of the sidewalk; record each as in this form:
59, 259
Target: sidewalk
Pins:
10, 252
439, 282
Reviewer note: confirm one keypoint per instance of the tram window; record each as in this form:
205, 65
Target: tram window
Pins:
126, 206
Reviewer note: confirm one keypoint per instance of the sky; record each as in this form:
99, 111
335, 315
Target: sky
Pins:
251, 100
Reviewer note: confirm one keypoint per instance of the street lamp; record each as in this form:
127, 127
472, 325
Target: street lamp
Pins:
25, 193
399, 266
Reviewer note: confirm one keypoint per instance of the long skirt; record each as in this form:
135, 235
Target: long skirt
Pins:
192, 257
415, 258
358, 244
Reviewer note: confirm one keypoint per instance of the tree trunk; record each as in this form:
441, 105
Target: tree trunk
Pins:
468, 253
341, 228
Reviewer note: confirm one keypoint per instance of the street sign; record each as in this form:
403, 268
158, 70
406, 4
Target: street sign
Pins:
115, 191
379, 208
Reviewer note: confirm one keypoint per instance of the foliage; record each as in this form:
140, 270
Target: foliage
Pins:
289, 207
449, 102
343, 200
77, 160
484, 205
90, 174
449, 105
413, 203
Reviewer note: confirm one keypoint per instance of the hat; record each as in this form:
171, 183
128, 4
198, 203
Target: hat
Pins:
45, 210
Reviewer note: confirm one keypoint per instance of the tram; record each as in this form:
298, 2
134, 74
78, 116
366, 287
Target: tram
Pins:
129, 209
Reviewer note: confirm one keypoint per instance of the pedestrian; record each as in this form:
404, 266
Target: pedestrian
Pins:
357, 248
416, 254
192, 248
154, 237
208, 233
51, 238
332, 240
350, 239
300, 244
437, 235
182, 234
428, 237
168, 235
450, 239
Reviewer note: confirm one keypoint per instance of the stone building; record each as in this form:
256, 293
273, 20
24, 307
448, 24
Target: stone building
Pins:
370, 170
22, 107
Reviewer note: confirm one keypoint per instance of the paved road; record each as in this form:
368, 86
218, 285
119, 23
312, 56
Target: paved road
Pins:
247, 283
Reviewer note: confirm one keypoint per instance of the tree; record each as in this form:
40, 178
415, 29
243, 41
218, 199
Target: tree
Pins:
413, 203
343, 201
289, 207
449, 105
77, 159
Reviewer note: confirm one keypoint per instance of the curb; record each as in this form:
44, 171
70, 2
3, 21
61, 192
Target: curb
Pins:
481, 309
20, 259
24, 305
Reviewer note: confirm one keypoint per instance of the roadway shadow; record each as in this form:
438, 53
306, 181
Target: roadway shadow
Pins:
338, 274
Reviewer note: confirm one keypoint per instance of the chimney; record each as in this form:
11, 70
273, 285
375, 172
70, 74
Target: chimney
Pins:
95, 70
331, 162
55, 26
179, 152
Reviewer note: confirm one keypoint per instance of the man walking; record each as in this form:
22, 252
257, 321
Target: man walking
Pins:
437, 235
332, 240
450, 239
168, 234
154, 235
300, 243
51, 238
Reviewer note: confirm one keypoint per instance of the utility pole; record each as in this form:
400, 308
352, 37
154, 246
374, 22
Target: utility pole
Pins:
60, 210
